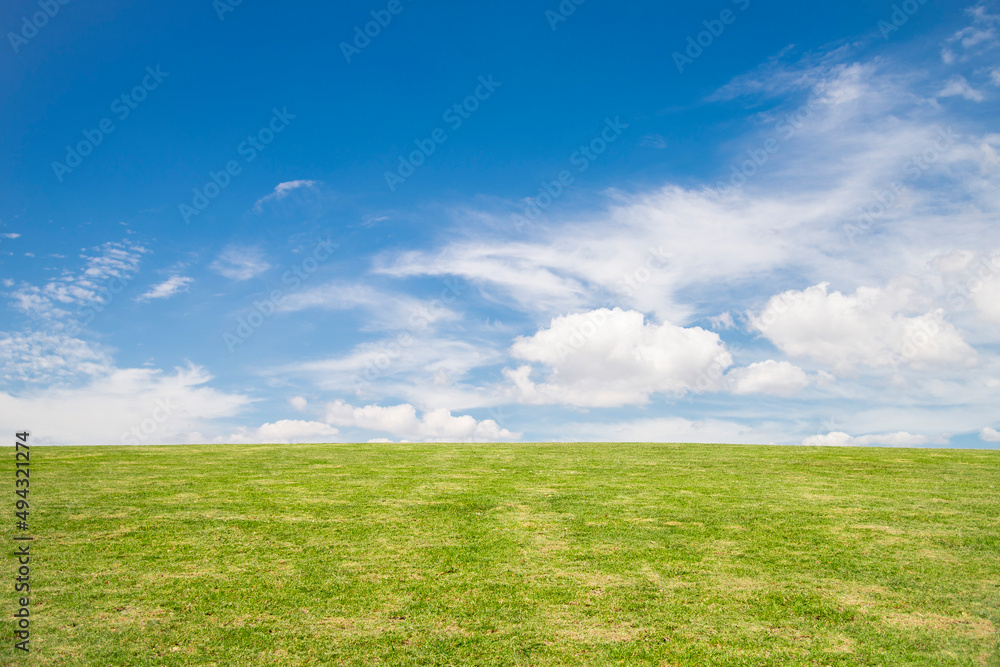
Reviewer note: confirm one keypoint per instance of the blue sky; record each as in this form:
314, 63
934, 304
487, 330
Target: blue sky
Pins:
711, 222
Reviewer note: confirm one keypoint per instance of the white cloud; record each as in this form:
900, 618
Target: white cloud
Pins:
402, 366
40, 358
995, 76
957, 86
657, 141
768, 377
401, 420
723, 321
282, 432
167, 288
899, 439
851, 139
834, 439
777, 76
613, 357
672, 429
973, 277
282, 190
299, 403
841, 439
10, 235
989, 435
986, 295
386, 311
867, 328
978, 37
122, 406
240, 263
106, 272
520, 273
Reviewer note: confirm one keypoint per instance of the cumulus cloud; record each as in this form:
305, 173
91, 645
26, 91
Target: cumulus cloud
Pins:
989, 435
834, 439
867, 328
768, 377
299, 403
614, 357
402, 421
166, 289
971, 277
841, 439
240, 263
285, 431
986, 296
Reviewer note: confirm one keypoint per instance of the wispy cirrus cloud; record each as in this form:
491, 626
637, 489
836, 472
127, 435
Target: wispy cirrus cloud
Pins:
168, 288
980, 35
283, 190
239, 262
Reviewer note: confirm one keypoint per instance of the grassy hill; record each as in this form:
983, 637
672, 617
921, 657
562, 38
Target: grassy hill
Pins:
524, 554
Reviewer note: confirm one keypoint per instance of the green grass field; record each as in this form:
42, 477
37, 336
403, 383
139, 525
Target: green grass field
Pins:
525, 554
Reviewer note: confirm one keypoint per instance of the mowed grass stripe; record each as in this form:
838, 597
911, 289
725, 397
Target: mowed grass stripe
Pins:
524, 554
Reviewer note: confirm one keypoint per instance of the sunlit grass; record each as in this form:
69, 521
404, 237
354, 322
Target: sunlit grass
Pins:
534, 554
